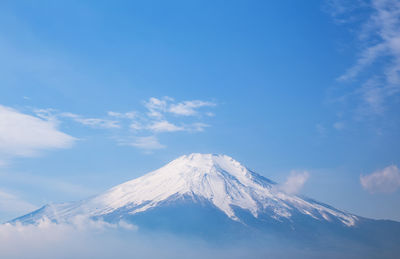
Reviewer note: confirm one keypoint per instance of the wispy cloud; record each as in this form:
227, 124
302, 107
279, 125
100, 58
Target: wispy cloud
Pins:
147, 143
367, 57
164, 126
386, 180
197, 127
295, 182
156, 107
140, 129
136, 126
157, 119
189, 108
125, 115
92, 122
159, 107
379, 47
26, 135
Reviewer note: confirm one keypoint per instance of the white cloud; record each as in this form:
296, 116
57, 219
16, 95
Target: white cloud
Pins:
26, 135
188, 108
100, 123
366, 58
373, 96
164, 126
136, 126
46, 114
82, 238
146, 143
92, 122
386, 180
126, 115
210, 114
85, 238
156, 106
11, 204
157, 118
295, 182
197, 127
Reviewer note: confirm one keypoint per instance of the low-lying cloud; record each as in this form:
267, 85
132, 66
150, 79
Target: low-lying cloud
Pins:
83, 238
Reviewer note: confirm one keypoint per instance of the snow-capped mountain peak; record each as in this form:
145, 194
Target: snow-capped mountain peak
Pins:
217, 179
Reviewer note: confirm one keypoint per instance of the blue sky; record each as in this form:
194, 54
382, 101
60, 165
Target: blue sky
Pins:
96, 93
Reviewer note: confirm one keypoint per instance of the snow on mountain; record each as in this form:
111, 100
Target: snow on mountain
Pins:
218, 179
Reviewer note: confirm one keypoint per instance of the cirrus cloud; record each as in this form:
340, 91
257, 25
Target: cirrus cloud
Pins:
93, 122
376, 69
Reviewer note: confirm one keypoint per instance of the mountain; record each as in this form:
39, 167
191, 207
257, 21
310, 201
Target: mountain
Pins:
214, 195
217, 179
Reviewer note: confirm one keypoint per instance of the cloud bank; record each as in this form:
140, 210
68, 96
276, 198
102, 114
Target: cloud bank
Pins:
83, 238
